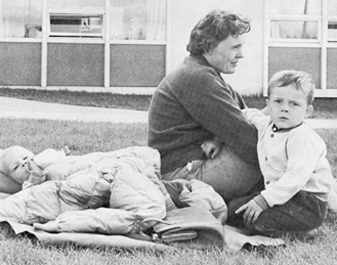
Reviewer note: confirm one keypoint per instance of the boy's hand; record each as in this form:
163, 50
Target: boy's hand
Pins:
211, 148
252, 211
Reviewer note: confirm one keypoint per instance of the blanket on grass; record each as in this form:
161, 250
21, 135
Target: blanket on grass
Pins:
234, 239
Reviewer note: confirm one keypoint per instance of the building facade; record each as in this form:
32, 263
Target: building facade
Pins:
128, 46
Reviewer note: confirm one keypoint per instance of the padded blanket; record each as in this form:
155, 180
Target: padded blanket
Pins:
125, 181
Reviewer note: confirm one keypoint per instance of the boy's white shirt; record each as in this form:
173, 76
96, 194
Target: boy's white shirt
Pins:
290, 160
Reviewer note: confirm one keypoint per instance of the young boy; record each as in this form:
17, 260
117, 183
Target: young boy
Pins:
292, 157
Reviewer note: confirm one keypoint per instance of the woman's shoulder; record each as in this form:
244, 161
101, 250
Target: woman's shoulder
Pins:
192, 74
197, 68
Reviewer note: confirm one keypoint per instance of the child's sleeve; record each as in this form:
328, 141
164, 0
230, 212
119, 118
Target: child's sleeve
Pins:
256, 117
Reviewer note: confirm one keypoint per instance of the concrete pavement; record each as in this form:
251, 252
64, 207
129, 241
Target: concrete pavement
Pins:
29, 109
324, 124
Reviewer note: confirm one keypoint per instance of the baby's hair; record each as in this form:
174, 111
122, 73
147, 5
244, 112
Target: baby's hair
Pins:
300, 80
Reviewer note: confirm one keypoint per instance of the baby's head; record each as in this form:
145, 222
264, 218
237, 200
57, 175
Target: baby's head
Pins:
13, 163
290, 95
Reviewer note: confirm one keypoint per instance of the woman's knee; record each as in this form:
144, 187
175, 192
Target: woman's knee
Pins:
230, 175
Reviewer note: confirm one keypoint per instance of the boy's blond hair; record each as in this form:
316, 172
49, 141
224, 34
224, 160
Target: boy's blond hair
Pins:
300, 80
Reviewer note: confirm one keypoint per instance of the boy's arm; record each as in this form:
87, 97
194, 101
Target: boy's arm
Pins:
259, 118
211, 148
265, 111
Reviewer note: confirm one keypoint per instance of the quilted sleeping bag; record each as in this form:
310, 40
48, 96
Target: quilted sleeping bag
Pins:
120, 186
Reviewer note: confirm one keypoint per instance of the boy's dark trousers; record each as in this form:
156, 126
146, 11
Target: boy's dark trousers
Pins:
301, 213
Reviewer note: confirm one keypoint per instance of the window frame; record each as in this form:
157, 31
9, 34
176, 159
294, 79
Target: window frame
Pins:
298, 18
322, 42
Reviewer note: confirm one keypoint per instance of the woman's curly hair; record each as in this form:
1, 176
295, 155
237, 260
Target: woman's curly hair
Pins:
215, 27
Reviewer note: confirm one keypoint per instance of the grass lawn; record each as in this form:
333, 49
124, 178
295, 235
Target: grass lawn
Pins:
325, 108
83, 138
102, 100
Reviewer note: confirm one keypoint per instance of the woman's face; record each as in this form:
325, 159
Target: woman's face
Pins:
225, 57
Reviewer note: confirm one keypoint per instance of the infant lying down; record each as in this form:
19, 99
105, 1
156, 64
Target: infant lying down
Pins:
20, 168
114, 190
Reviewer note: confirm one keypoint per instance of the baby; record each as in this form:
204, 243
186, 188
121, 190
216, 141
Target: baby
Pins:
20, 168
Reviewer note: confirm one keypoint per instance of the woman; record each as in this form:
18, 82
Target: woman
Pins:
193, 104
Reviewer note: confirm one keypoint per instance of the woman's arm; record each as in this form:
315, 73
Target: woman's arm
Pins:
217, 108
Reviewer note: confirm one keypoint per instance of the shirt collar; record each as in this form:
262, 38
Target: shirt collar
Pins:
275, 129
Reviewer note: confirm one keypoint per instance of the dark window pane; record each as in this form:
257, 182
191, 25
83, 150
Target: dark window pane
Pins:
304, 59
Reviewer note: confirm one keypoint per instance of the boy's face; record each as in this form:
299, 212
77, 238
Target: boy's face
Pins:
288, 107
14, 163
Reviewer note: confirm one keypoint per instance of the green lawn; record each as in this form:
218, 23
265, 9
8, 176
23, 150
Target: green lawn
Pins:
102, 100
325, 108
83, 138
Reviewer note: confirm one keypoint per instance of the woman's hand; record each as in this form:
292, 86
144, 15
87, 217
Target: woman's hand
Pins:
211, 148
252, 211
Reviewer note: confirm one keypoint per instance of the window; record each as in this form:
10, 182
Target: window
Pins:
298, 7
285, 29
303, 36
75, 5
293, 20
332, 21
76, 18
20, 19
138, 20
76, 25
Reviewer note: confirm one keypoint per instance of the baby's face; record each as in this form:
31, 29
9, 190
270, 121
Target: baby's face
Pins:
14, 163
